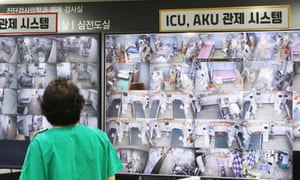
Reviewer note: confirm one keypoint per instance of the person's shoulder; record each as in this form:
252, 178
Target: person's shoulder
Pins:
40, 137
93, 133
40, 133
92, 130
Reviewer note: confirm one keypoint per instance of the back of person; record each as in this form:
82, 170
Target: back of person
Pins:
68, 150
70, 153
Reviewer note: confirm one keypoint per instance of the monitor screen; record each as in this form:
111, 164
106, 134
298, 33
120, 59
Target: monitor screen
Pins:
174, 102
27, 65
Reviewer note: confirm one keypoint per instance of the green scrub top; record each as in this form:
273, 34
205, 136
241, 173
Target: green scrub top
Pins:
70, 153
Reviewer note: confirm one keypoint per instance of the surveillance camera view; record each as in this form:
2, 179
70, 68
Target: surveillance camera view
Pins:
28, 64
204, 104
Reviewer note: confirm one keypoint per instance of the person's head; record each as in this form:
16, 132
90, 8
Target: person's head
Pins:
62, 102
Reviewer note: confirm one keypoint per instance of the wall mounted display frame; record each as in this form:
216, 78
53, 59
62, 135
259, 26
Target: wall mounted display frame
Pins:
213, 104
27, 65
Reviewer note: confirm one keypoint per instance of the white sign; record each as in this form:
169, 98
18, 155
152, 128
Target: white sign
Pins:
28, 23
231, 18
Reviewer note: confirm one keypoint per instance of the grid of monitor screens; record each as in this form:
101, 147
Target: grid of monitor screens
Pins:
29, 63
219, 104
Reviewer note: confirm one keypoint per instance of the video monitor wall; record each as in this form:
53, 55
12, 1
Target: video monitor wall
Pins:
27, 65
213, 104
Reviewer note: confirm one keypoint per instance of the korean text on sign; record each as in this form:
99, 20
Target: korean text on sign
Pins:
28, 23
225, 19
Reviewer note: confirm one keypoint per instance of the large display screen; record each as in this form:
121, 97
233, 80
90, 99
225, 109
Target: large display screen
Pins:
27, 65
213, 104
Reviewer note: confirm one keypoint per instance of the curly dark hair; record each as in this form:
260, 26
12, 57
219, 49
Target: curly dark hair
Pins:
62, 102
